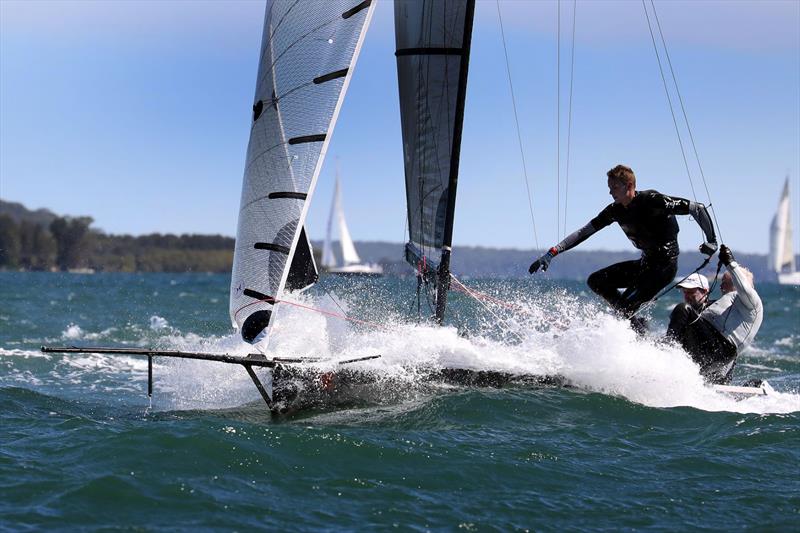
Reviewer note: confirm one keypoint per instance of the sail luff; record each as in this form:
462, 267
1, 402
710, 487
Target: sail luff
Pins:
326, 142
461, 98
443, 284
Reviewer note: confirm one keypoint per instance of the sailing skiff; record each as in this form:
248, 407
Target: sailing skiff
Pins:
308, 53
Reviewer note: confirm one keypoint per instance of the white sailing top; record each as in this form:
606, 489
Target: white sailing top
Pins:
738, 314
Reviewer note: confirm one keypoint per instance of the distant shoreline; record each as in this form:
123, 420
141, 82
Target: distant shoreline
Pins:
43, 241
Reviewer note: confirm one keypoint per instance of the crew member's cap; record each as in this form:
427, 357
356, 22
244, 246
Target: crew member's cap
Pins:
695, 281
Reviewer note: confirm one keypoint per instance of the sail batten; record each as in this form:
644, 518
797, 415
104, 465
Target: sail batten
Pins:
293, 117
429, 52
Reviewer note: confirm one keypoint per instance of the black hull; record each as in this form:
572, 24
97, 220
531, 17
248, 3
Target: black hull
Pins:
301, 389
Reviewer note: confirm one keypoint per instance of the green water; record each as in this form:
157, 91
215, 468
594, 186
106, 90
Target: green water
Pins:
641, 445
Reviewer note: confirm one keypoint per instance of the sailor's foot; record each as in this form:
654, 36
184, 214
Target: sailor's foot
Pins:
639, 325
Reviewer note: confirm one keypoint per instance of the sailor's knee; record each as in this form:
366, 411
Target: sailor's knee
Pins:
595, 281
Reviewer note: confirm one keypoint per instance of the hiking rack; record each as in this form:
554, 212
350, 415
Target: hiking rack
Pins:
248, 361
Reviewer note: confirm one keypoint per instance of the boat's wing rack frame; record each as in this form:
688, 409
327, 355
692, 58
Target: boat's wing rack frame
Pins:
247, 361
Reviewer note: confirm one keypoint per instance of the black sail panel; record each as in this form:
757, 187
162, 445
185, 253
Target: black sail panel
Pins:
303, 272
433, 42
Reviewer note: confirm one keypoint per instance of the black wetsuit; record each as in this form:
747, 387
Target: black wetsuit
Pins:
649, 222
708, 347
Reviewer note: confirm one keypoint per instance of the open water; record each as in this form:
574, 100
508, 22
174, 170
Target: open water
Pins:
641, 443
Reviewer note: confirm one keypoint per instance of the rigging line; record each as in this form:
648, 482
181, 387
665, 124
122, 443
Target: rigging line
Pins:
516, 121
669, 100
315, 309
652, 302
498, 318
686, 119
330, 295
497, 301
569, 119
558, 119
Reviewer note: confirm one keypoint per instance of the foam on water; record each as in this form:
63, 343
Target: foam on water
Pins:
596, 352
550, 336
75, 332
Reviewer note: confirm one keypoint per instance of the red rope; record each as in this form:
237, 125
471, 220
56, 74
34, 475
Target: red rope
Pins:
321, 311
480, 295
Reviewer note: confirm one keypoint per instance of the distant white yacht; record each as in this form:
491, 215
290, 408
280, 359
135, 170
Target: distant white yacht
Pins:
781, 253
351, 262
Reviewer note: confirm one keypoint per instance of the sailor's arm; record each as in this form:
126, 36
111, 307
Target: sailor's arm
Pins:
699, 212
745, 290
575, 238
570, 241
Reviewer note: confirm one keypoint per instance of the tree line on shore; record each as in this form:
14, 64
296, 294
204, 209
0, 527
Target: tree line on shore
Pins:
41, 240
69, 243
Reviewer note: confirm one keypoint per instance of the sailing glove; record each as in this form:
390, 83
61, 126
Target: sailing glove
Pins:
725, 255
708, 248
543, 262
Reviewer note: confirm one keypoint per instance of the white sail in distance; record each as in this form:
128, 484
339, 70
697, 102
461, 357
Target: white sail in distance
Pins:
336, 217
781, 258
307, 55
781, 251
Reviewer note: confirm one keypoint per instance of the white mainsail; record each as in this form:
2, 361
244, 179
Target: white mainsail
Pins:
308, 52
781, 251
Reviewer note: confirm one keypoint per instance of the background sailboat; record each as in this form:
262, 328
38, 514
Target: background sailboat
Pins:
351, 262
781, 252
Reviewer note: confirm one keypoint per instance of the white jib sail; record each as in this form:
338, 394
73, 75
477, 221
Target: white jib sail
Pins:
781, 251
308, 51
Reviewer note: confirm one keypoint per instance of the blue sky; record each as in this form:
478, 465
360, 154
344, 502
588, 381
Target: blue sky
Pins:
137, 114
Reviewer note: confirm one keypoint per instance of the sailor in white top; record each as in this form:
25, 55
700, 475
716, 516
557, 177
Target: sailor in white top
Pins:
715, 337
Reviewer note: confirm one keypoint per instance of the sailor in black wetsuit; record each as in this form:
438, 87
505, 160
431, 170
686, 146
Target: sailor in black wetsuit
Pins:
648, 220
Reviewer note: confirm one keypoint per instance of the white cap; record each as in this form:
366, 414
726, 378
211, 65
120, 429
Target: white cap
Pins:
694, 281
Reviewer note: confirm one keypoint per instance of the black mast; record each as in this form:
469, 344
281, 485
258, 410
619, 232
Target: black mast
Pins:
443, 275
